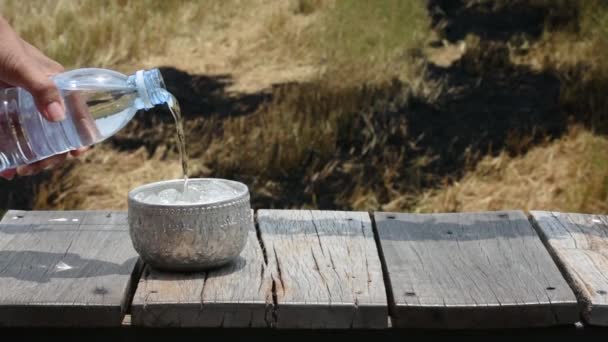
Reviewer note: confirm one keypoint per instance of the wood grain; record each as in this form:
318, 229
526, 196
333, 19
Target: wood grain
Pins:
471, 270
579, 243
65, 268
326, 269
235, 296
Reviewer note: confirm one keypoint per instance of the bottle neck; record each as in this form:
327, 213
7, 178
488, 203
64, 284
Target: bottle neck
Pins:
150, 86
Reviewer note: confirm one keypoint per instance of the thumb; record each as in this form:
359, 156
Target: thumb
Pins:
46, 95
20, 70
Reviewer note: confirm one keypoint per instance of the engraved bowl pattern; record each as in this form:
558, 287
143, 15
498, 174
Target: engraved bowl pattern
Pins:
189, 237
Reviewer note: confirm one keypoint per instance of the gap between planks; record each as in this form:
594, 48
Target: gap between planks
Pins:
580, 297
272, 322
275, 304
387, 281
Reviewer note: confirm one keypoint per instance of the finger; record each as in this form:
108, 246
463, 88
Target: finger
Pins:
45, 164
43, 89
8, 174
26, 74
18, 68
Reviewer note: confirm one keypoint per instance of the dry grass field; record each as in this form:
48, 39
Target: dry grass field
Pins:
382, 105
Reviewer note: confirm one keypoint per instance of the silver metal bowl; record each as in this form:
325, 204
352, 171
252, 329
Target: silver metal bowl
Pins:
189, 237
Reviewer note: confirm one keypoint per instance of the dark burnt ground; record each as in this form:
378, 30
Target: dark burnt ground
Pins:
497, 20
487, 105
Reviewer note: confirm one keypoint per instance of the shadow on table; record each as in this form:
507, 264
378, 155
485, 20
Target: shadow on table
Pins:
41, 267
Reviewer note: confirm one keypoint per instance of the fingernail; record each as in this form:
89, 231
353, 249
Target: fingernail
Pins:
55, 111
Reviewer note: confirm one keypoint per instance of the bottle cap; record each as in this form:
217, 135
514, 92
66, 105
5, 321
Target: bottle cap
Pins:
141, 88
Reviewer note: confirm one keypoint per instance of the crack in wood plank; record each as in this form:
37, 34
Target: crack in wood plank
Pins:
582, 264
326, 267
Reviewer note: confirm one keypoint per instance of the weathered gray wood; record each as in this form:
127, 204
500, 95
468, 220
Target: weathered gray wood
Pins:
579, 243
238, 295
325, 268
65, 268
471, 270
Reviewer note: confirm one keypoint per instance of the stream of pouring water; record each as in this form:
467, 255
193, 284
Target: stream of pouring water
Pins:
181, 141
211, 191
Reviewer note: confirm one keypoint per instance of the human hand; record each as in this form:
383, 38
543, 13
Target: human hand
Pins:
22, 65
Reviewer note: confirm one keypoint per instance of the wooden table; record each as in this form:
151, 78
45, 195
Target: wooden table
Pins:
314, 271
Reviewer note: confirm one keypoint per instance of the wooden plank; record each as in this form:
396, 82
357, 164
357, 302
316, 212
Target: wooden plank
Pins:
471, 270
65, 268
325, 268
234, 296
579, 243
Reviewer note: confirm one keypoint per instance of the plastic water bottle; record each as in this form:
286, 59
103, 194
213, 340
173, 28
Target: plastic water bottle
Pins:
98, 103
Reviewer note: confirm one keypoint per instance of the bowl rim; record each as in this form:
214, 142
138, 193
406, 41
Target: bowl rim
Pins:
242, 189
